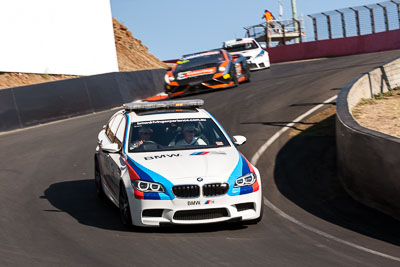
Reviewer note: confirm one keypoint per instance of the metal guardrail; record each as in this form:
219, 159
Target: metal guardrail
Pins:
340, 23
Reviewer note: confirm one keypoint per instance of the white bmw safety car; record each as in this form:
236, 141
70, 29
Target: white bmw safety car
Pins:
257, 58
171, 162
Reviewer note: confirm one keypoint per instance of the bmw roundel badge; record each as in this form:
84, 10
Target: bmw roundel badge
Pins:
199, 179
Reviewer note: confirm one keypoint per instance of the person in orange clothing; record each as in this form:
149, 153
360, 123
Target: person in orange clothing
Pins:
269, 18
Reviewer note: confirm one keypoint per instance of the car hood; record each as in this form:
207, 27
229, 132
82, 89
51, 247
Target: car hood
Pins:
247, 53
174, 165
197, 68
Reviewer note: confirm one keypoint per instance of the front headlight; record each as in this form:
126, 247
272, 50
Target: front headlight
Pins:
221, 69
246, 180
260, 54
168, 78
145, 186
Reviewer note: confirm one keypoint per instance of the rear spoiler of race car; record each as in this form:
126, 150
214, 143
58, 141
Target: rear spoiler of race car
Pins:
180, 104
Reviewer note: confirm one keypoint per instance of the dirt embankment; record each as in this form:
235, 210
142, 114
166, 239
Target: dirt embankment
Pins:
381, 113
131, 53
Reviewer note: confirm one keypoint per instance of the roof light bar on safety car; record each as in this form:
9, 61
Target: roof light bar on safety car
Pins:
181, 104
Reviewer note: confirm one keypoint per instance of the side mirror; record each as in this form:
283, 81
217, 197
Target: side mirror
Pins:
263, 45
110, 148
239, 140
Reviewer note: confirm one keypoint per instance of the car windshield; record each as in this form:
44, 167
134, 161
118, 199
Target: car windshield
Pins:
176, 134
199, 59
240, 47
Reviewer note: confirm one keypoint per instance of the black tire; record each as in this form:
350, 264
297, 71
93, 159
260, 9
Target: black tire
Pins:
97, 179
234, 77
248, 75
124, 208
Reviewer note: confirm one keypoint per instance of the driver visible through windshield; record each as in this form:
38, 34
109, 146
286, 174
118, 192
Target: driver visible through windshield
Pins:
175, 134
241, 47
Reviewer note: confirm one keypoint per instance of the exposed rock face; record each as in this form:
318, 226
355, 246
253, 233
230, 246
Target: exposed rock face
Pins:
132, 54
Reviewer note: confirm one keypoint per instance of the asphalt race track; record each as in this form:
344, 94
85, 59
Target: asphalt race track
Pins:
50, 215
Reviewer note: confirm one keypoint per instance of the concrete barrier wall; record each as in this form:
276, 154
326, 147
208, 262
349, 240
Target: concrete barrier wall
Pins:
40, 103
362, 44
368, 161
382, 41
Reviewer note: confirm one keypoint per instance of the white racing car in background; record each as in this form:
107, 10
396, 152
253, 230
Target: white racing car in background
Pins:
257, 58
170, 162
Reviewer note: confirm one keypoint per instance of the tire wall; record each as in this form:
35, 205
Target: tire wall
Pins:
40, 103
368, 161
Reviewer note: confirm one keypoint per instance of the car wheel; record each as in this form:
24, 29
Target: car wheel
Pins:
234, 77
97, 179
248, 76
124, 209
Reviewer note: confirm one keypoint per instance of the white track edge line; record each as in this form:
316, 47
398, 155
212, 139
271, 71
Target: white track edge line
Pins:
326, 235
267, 203
270, 141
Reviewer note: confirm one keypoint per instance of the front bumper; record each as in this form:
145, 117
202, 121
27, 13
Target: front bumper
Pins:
200, 85
259, 63
201, 210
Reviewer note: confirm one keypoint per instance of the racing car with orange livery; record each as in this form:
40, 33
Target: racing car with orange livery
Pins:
212, 69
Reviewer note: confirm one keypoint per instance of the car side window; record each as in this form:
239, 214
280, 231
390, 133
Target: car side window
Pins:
108, 128
113, 126
119, 136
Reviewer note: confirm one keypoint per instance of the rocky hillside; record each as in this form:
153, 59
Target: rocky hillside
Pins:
132, 55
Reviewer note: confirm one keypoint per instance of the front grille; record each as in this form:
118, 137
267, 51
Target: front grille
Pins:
210, 190
203, 214
186, 190
195, 79
214, 82
252, 66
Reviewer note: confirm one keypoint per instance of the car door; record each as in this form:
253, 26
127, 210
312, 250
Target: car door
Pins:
117, 164
106, 158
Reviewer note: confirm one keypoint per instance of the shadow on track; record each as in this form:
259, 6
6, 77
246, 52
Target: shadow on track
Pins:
305, 173
79, 200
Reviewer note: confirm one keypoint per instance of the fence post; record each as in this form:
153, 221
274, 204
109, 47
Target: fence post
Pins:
315, 27
247, 32
267, 40
343, 22
371, 11
385, 15
328, 19
299, 28
357, 20
398, 9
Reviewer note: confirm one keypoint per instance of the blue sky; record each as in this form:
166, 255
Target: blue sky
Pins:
176, 27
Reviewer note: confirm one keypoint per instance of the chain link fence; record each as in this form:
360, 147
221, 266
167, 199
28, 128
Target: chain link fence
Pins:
353, 21
340, 23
